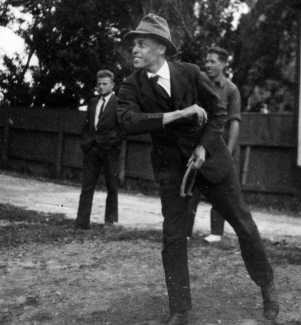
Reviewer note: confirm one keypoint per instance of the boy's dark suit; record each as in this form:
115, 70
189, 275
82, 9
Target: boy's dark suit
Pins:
101, 149
107, 134
140, 110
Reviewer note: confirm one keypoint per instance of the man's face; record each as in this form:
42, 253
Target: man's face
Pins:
146, 53
104, 86
214, 67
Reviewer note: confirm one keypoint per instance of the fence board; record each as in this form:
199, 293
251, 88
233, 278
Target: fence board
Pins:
275, 130
270, 167
72, 153
41, 119
53, 137
32, 145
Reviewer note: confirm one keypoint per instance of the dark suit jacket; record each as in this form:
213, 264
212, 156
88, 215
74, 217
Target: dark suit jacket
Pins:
108, 135
140, 111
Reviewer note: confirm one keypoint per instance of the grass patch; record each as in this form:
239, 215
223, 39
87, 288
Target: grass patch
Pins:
20, 227
282, 252
275, 204
115, 275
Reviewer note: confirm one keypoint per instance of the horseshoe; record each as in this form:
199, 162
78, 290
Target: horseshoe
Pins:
189, 193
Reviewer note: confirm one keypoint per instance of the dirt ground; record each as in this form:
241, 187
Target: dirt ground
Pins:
135, 209
51, 273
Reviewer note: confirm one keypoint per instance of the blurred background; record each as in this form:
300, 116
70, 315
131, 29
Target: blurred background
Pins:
51, 50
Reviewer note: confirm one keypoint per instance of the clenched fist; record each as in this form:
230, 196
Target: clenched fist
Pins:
196, 110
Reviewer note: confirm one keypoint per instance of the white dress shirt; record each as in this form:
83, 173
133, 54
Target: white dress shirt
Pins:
97, 111
164, 77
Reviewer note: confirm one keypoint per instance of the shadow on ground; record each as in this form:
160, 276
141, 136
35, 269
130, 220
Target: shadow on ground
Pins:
52, 273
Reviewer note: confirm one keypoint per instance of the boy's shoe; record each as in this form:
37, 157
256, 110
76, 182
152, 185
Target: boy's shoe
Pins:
212, 239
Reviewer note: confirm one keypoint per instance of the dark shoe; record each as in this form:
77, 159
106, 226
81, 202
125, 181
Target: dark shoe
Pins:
79, 226
178, 319
270, 301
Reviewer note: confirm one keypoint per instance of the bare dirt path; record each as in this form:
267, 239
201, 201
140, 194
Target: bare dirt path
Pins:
136, 211
52, 274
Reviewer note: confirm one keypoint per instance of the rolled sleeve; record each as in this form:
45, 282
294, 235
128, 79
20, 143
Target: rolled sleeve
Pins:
217, 113
234, 105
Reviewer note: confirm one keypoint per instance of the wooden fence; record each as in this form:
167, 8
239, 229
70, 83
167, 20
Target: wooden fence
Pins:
47, 142
268, 153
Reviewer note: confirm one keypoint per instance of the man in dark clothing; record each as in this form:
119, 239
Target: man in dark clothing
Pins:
101, 140
216, 61
164, 99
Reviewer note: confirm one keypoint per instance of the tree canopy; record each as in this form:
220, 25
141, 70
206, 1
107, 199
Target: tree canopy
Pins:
265, 54
73, 40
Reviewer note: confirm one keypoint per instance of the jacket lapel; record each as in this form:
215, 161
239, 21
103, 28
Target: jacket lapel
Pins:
108, 107
147, 90
178, 83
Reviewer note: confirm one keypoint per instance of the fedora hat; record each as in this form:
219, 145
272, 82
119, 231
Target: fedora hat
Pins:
157, 27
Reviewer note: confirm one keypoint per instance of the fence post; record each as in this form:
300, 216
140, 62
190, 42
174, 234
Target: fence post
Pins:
59, 154
122, 162
245, 169
5, 146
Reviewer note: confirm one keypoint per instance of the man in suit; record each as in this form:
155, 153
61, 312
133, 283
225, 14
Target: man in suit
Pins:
216, 61
171, 101
101, 140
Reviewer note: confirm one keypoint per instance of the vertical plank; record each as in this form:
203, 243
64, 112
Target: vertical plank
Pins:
5, 146
122, 162
59, 154
246, 166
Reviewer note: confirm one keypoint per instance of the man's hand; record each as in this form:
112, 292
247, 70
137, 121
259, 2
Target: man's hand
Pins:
196, 110
193, 110
198, 156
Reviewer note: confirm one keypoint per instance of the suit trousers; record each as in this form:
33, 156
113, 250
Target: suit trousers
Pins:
217, 222
95, 159
226, 198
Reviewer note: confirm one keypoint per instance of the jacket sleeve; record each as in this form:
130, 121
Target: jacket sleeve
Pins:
130, 115
217, 113
86, 124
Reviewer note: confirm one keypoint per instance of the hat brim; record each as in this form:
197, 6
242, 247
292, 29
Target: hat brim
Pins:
170, 47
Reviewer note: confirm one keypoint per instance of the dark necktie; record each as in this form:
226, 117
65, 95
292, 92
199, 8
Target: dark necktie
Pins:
102, 106
154, 80
159, 89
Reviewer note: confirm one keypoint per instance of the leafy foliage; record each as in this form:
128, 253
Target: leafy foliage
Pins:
265, 51
213, 27
73, 40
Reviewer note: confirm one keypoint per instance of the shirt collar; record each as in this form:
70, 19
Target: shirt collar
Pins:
107, 97
163, 73
220, 81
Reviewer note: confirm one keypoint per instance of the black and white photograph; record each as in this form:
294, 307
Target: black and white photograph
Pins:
150, 162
